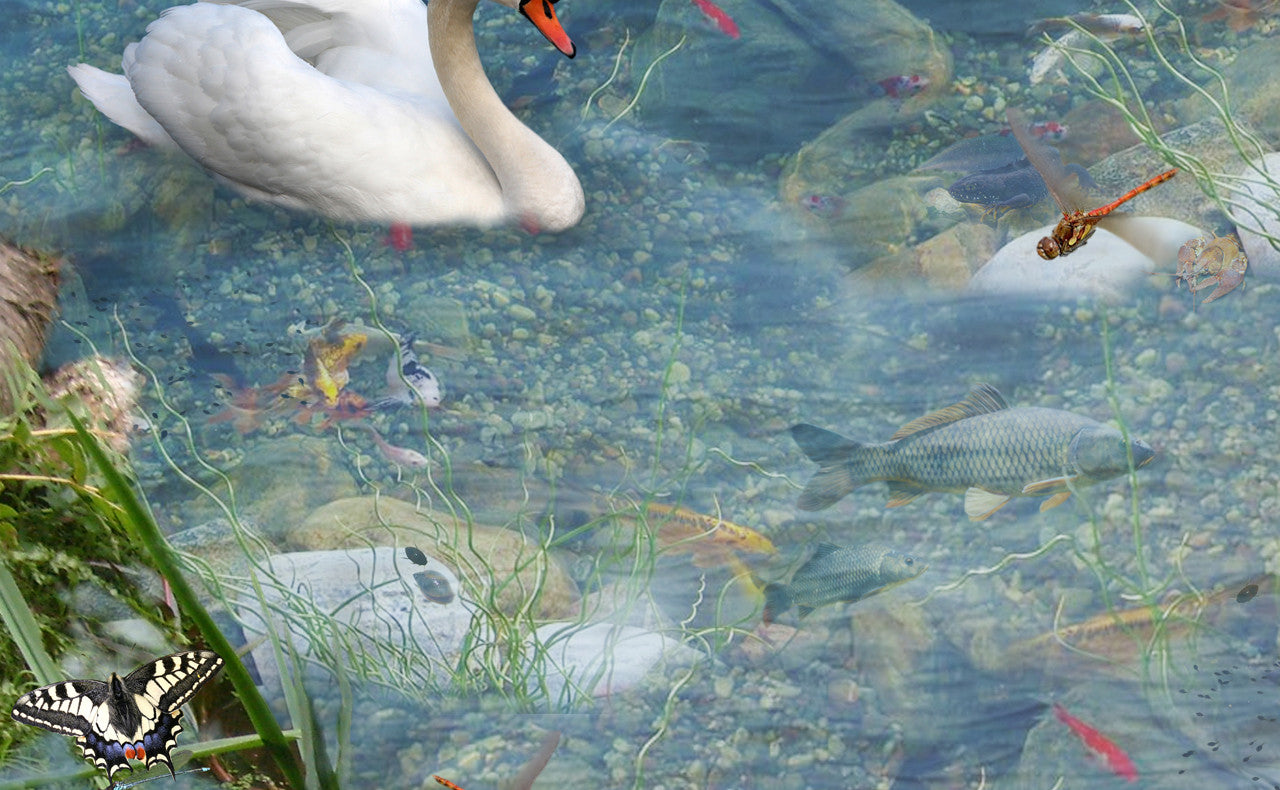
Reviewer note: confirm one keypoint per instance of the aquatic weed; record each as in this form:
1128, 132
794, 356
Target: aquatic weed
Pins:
644, 81
1227, 190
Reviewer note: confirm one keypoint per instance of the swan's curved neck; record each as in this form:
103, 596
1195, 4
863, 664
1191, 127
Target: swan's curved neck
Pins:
538, 185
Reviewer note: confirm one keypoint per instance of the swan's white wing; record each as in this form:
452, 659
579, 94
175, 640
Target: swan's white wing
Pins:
222, 82
382, 45
113, 97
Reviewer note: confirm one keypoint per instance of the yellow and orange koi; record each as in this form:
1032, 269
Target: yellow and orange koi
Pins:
324, 369
711, 539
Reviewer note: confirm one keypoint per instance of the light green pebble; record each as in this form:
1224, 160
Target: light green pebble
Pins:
521, 313
680, 373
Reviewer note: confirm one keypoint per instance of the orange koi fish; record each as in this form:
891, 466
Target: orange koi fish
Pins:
1099, 744
247, 409
709, 538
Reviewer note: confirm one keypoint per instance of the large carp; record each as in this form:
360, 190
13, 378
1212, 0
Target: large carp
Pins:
979, 446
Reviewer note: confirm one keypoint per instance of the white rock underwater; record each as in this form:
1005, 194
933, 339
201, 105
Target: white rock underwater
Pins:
373, 610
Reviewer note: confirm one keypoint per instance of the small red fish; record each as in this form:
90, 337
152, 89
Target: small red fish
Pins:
1100, 744
901, 86
400, 238
825, 206
723, 22
1052, 131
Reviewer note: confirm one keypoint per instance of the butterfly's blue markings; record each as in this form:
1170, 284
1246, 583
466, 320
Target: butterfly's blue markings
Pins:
137, 717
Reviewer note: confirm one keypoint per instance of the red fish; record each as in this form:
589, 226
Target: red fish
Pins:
1052, 131
1100, 744
723, 22
825, 206
400, 238
901, 86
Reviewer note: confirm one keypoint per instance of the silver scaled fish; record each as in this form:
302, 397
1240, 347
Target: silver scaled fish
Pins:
836, 575
979, 446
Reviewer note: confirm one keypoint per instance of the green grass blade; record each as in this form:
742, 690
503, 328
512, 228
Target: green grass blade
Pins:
24, 629
147, 533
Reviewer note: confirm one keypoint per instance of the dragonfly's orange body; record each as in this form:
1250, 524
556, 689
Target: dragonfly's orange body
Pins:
1075, 227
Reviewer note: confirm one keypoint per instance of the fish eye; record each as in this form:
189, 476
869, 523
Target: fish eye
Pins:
911, 560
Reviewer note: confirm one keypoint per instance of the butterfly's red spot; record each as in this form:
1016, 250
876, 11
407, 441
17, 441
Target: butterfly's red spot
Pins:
128, 753
140, 753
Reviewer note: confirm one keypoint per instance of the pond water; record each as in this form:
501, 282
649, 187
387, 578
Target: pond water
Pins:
716, 293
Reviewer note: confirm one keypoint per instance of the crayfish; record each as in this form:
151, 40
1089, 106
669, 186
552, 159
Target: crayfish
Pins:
1204, 262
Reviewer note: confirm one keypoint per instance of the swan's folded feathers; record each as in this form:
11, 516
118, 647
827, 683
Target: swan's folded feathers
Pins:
337, 107
223, 82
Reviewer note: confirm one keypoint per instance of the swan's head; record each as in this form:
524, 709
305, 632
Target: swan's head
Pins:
542, 14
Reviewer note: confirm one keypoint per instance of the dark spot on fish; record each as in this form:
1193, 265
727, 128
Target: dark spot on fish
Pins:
1188, 752
415, 555
1246, 593
434, 586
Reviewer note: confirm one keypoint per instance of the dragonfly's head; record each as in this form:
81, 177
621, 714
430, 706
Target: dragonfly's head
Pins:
1048, 248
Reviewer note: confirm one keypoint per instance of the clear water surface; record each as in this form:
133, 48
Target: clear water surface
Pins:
660, 351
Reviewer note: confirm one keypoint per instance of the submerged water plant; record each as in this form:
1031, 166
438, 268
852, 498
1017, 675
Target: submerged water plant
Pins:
1232, 192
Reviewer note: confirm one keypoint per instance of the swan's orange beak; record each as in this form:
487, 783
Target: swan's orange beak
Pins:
542, 14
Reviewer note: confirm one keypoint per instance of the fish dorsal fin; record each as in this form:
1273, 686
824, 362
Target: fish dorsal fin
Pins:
820, 551
823, 549
981, 399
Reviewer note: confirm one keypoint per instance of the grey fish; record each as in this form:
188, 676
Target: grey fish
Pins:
835, 575
979, 446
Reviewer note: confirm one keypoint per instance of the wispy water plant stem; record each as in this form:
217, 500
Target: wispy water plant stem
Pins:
146, 532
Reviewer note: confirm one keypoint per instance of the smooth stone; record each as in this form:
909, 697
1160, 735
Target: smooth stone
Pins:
602, 659
367, 600
278, 481
703, 92
1259, 201
466, 548
1106, 267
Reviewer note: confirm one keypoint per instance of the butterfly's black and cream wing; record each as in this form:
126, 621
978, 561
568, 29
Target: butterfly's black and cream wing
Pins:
136, 717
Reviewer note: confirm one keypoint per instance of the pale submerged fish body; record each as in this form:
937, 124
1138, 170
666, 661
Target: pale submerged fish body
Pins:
840, 575
978, 446
1102, 25
408, 380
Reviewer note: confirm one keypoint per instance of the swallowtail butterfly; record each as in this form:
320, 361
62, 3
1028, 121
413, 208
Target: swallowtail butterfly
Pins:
137, 717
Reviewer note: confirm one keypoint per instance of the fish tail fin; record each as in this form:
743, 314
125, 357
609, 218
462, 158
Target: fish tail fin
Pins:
841, 460
777, 599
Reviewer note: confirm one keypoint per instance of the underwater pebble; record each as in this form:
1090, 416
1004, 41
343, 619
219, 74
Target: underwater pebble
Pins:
679, 373
521, 313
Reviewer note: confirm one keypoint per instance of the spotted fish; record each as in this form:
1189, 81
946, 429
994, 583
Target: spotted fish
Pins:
978, 446
836, 575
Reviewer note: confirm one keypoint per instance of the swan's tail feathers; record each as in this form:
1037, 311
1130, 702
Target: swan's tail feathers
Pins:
113, 96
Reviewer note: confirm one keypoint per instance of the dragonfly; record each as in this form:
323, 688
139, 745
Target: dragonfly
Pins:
1077, 224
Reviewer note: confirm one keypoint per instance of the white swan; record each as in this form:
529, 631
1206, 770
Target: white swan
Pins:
334, 107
